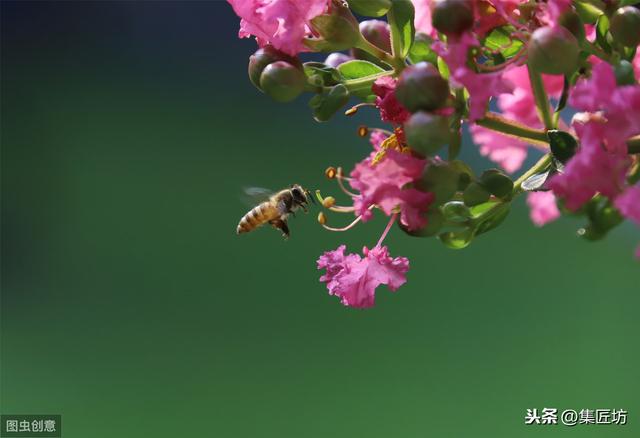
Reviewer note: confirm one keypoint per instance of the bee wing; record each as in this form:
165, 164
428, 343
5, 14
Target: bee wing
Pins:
253, 196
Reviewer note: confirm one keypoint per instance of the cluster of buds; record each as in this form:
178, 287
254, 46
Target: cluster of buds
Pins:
432, 68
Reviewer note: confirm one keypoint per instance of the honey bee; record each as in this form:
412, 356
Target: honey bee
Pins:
275, 209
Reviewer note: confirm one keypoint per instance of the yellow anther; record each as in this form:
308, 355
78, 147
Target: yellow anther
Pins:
363, 131
351, 111
328, 202
331, 172
322, 219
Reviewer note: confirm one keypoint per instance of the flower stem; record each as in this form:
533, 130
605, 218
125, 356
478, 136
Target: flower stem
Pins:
394, 216
510, 128
540, 95
397, 64
364, 83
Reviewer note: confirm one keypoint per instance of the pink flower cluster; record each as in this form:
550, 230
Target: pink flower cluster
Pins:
354, 279
281, 23
383, 184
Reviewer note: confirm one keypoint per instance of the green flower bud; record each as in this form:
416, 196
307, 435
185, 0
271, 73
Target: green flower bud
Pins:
377, 33
426, 133
456, 211
452, 17
625, 26
572, 22
496, 183
282, 81
465, 174
370, 8
263, 57
475, 194
624, 73
420, 87
553, 51
441, 179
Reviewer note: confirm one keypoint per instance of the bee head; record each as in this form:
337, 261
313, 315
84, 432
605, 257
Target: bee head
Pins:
299, 194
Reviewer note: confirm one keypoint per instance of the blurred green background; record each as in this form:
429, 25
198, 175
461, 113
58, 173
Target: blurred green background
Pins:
130, 306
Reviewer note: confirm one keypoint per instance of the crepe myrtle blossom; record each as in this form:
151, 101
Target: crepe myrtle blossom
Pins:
517, 105
481, 86
391, 110
354, 279
536, 63
281, 23
601, 163
543, 208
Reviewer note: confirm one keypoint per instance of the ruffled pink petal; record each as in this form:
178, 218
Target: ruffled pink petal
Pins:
543, 208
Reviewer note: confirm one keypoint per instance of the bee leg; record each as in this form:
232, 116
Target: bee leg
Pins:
282, 226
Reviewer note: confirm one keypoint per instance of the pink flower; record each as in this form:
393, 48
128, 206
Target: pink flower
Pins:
543, 207
620, 106
636, 63
422, 19
376, 138
383, 184
354, 279
390, 109
551, 11
591, 170
518, 105
282, 23
481, 86
629, 203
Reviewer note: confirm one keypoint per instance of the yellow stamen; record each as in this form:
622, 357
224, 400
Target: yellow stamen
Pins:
328, 202
331, 172
322, 219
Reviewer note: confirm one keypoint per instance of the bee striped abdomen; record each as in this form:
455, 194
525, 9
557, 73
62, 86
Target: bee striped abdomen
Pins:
257, 216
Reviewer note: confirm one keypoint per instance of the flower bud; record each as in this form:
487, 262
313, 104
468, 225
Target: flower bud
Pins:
475, 194
553, 51
377, 33
452, 17
625, 26
420, 87
282, 81
426, 133
263, 57
456, 211
572, 22
441, 179
496, 183
337, 58
370, 8
624, 73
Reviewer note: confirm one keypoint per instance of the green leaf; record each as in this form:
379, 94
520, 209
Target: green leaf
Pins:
358, 69
499, 40
370, 8
443, 68
563, 145
400, 18
602, 28
421, 50
457, 239
324, 106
